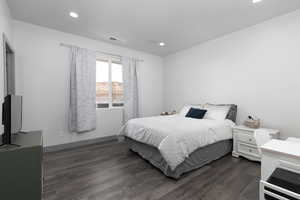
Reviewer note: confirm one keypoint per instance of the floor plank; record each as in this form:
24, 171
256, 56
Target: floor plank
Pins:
111, 172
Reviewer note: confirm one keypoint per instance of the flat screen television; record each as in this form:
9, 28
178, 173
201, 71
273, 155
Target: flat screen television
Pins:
11, 117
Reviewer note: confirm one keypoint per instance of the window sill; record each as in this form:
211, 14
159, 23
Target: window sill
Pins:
113, 108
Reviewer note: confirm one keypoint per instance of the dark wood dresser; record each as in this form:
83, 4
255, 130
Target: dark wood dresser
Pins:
21, 169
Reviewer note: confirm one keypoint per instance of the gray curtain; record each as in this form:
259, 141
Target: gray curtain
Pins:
130, 81
82, 109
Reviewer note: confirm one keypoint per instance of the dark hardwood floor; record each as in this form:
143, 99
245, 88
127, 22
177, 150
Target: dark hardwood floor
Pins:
111, 172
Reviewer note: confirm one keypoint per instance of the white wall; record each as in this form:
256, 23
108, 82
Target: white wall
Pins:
5, 27
42, 78
257, 68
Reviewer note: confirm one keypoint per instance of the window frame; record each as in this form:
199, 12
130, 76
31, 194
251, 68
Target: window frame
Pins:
110, 60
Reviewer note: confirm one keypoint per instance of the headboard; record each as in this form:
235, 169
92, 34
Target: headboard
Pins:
232, 111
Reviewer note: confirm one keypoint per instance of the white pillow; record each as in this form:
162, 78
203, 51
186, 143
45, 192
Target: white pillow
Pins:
216, 112
186, 109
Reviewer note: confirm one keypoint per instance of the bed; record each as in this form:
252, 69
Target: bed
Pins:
176, 144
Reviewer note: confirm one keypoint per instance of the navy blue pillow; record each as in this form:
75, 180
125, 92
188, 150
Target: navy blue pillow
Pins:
196, 113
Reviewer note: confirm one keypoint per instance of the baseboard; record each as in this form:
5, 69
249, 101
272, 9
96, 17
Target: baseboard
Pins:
73, 145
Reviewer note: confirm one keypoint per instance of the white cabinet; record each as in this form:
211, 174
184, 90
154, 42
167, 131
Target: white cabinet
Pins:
244, 143
278, 154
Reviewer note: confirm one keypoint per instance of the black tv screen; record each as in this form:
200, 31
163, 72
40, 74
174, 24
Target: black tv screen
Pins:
11, 117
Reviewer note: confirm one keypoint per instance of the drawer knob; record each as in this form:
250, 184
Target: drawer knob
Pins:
250, 140
250, 150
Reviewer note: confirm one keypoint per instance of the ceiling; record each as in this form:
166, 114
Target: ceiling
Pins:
141, 24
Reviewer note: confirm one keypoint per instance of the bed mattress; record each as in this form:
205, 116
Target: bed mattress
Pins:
197, 159
176, 137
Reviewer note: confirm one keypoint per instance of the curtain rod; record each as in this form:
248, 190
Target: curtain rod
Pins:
102, 52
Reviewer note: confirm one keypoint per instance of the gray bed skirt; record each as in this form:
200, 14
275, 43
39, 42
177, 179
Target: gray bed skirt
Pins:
197, 159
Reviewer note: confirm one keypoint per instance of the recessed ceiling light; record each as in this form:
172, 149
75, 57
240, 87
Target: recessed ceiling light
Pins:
161, 44
74, 14
256, 1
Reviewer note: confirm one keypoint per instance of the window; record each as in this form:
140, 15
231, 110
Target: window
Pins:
109, 83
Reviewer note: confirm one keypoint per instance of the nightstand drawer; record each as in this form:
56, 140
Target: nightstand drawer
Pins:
242, 137
249, 150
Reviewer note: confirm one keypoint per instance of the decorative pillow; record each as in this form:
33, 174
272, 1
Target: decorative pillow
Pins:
196, 113
186, 109
216, 112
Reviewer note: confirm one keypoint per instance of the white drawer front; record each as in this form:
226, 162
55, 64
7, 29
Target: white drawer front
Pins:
246, 138
245, 149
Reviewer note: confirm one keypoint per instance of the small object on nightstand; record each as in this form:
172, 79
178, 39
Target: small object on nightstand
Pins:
251, 122
168, 113
244, 143
164, 113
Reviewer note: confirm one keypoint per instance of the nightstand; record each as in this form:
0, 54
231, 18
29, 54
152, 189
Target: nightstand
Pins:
244, 143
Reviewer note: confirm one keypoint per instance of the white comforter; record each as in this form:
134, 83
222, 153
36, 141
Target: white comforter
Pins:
176, 136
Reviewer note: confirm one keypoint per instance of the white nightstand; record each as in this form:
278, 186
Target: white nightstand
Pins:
244, 143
